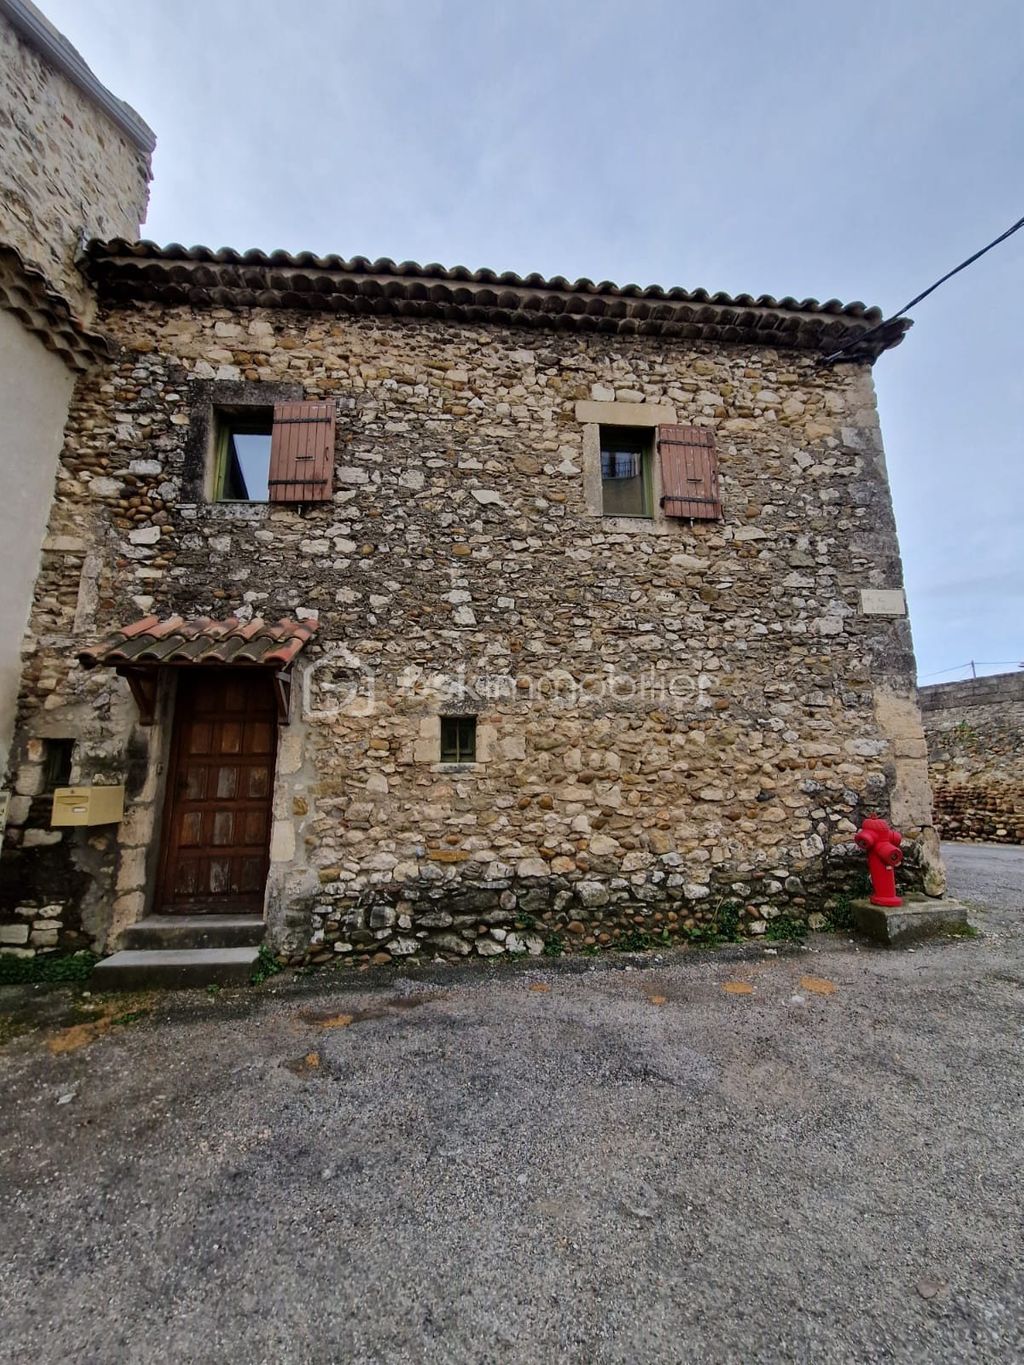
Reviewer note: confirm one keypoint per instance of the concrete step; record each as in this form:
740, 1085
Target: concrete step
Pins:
195, 931
918, 917
174, 968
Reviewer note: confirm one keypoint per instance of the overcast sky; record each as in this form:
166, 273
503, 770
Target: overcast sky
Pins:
769, 146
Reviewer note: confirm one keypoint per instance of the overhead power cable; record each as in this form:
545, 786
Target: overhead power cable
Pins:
976, 663
873, 331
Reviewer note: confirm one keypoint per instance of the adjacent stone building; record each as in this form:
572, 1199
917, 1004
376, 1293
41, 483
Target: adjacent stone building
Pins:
74, 164
429, 611
975, 732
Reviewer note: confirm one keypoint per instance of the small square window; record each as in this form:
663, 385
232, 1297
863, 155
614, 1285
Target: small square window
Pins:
458, 739
626, 463
241, 470
57, 758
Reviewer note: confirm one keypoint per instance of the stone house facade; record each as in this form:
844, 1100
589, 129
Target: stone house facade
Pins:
75, 164
428, 611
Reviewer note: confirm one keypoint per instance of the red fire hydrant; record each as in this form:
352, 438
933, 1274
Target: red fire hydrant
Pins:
882, 845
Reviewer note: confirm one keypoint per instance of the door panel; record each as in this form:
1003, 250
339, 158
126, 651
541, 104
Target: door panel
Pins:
231, 737
191, 829
252, 875
216, 842
201, 738
223, 828
259, 737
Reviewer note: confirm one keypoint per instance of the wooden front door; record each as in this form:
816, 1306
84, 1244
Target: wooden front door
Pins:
216, 843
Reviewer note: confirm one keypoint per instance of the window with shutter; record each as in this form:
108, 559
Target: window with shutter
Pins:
302, 453
689, 473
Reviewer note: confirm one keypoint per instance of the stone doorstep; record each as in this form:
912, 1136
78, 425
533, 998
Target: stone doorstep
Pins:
194, 931
919, 917
174, 968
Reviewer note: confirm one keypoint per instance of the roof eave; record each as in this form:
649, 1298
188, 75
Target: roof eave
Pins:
127, 272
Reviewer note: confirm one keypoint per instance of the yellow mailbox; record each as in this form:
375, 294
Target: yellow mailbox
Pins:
88, 806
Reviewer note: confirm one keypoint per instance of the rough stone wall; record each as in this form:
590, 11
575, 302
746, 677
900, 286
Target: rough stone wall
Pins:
676, 723
975, 732
65, 169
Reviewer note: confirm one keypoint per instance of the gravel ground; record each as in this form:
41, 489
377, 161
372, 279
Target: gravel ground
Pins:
579, 1162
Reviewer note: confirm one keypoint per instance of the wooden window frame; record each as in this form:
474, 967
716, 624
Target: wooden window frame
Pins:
645, 441
246, 421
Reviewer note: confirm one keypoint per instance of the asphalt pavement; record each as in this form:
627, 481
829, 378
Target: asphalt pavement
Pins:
989, 876
746, 1155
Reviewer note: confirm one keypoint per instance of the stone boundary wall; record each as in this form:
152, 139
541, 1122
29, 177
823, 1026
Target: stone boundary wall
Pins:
975, 732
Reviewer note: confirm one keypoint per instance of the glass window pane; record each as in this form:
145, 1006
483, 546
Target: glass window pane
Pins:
248, 467
625, 473
243, 459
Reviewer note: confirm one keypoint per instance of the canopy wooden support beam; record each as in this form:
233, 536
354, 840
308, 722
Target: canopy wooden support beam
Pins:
143, 683
283, 694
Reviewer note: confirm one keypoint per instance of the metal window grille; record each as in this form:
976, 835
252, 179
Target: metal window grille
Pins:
620, 464
458, 739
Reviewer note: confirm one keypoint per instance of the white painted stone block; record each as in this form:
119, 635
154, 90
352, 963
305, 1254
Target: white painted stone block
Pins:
282, 842
883, 602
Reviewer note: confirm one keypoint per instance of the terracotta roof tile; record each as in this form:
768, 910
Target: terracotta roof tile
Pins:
25, 292
126, 271
150, 642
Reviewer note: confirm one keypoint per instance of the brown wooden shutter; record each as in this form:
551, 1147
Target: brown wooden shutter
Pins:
302, 452
689, 473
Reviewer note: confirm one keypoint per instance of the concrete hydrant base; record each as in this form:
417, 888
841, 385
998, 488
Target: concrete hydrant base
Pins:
918, 917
